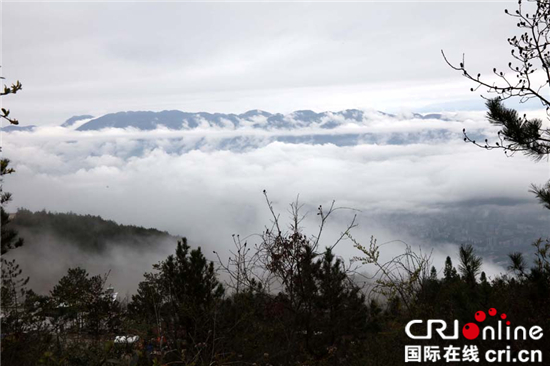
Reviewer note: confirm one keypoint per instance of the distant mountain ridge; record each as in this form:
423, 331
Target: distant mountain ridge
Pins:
257, 119
15, 128
72, 121
253, 119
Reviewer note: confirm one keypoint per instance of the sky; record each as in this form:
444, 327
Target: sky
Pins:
96, 58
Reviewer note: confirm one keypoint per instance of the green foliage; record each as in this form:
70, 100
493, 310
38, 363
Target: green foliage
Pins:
529, 53
293, 305
319, 322
10, 279
90, 233
470, 264
9, 239
320, 317
84, 304
517, 263
520, 133
23, 318
12, 89
399, 278
9, 236
180, 300
449, 272
543, 193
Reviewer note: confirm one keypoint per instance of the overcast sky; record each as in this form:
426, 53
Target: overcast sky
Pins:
95, 58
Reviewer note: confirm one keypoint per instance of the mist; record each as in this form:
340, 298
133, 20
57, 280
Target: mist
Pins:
46, 257
190, 184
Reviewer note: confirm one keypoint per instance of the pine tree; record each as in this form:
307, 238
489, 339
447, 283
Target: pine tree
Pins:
340, 300
449, 272
470, 264
13, 295
530, 52
84, 303
9, 239
180, 298
433, 273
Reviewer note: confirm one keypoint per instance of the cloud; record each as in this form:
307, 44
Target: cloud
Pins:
206, 184
185, 183
107, 57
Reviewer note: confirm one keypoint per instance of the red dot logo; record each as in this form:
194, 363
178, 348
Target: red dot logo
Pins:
480, 316
492, 311
503, 316
470, 331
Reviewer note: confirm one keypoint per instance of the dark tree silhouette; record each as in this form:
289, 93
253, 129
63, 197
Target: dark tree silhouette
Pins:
84, 303
449, 272
14, 88
180, 300
9, 238
470, 264
517, 263
530, 57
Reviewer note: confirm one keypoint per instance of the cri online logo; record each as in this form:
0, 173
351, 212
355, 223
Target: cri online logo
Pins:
471, 331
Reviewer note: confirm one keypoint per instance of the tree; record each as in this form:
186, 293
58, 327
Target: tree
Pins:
14, 88
13, 285
449, 272
470, 264
25, 331
9, 238
341, 302
399, 278
530, 59
13, 294
292, 301
181, 299
84, 303
517, 263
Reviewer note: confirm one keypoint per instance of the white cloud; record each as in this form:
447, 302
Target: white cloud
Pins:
107, 57
98, 58
207, 194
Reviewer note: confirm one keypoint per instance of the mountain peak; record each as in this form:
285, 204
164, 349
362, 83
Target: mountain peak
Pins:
259, 119
71, 121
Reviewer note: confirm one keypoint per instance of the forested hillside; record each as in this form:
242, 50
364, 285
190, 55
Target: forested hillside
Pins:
285, 300
55, 242
90, 233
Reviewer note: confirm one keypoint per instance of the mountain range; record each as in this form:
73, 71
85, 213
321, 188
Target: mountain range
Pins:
255, 119
178, 120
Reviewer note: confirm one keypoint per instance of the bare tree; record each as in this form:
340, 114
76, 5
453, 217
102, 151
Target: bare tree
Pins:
526, 78
402, 276
244, 267
281, 251
275, 259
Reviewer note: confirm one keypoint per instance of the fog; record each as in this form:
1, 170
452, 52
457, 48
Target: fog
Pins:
166, 180
45, 258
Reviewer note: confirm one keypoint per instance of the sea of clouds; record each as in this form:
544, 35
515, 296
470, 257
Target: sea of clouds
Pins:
194, 183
